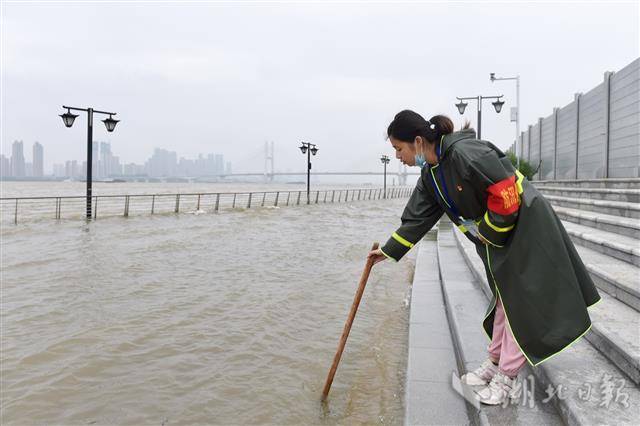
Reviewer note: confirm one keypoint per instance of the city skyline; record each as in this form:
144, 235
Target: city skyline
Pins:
162, 163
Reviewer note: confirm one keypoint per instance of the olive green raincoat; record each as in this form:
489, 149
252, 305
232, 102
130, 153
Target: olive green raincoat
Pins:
530, 261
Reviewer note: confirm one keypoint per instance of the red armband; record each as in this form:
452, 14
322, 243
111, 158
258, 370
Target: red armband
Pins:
503, 197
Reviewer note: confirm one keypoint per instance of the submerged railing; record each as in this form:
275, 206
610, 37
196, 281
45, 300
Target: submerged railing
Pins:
73, 207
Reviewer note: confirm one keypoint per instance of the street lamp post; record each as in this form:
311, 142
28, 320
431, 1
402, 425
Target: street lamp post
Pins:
68, 118
497, 105
493, 78
385, 160
308, 148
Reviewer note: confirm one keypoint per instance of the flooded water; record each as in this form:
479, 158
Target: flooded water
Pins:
227, 318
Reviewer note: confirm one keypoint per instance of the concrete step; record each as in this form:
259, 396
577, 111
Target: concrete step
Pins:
615, 326
615, 333
609, 194
614, 245
617, 278
614, 208
429, 396
466, 304
619, 225
581, 367
620, 183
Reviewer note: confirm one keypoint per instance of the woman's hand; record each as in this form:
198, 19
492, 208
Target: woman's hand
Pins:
483, 240
376, 255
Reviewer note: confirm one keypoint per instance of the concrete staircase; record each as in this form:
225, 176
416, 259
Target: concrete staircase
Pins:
603, 219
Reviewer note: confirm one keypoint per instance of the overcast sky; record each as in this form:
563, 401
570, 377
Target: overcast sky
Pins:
224, 77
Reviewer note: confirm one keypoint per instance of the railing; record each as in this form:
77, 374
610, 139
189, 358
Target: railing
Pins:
73, 207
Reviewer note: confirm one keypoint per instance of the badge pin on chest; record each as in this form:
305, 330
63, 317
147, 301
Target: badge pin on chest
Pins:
459, 188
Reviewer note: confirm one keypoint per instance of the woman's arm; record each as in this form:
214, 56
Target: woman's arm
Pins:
420, 214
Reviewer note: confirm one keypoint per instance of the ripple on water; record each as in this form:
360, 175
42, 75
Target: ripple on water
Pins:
203, 318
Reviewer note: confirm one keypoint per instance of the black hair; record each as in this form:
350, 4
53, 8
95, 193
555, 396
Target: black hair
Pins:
407, 124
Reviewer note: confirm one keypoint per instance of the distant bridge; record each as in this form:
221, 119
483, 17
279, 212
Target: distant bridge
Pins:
402, 176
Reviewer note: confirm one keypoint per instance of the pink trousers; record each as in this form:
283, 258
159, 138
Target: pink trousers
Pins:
503, 347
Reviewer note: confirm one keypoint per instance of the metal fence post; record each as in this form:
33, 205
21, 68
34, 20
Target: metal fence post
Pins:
249, 202
217, 202
325, 197
333, 195
58, 202
198, 205
578, 96
233, 206
298, 202
153, 203
277, 196
539, 144
126, 205
607, 114
288, 196
177, 210
264, 195
15, 216
317, 195
555, 142
529, 144
95, 207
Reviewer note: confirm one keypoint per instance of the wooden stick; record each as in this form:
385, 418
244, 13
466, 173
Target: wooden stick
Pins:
347, 325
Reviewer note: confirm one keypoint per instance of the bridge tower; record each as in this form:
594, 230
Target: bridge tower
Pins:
402, 174
268, 161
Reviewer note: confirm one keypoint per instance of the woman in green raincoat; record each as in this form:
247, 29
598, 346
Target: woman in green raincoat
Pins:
541, 289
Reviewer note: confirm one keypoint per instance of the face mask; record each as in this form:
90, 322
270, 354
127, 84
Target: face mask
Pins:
420, 160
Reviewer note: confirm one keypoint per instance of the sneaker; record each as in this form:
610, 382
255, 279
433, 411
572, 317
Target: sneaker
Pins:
499, 391
482, 375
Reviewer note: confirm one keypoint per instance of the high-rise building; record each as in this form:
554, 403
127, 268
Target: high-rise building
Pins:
71, 169
162, 163
219, 164
58, 170
5, 166
132, 169
104, 165
38, 160
17, 159
211, 165
94, 159
116, 167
